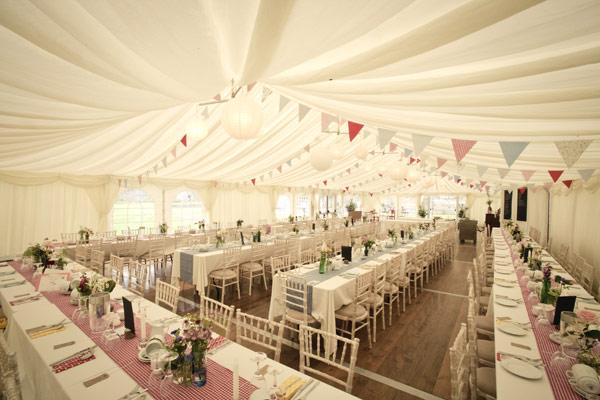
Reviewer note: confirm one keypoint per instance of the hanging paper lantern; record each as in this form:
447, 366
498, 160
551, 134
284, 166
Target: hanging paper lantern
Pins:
336, 153
242, 118
196, 128
412, 175
398, 172
361, 151
320, 158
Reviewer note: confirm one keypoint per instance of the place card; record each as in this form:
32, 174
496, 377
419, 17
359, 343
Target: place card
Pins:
93, 381
521, 346
66, 344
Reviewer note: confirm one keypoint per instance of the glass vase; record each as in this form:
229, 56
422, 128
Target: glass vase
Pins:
99, 306
323, 263
199, 369
544, 297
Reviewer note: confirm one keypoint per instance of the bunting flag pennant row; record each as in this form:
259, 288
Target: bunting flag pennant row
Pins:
326, 120
503, 172
482, 183
184, 140
302, 111
527, 174
325, 182
253, 180
462, 147
307, 148
555, 175
571, 150
441, 162
283, 101
407, 152
354, 129
420, 142
568, 183
384, 136
289, 163
250, 86
265, 93
393, 147
481, 170
512, 151
586, 174
174, 152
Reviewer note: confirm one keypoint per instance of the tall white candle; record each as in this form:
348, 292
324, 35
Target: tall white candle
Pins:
236, 380
142, 327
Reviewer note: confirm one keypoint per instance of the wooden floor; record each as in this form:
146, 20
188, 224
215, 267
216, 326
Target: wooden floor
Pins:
410, 358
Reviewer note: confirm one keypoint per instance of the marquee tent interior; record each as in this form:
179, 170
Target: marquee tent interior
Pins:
386, 103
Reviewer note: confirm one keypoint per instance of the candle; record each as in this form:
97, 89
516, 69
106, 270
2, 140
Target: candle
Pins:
143, 327
236, 380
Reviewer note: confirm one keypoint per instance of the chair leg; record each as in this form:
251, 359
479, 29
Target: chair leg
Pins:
250, 288
238, 287
374, 324
222, 290
264, 276
369, 336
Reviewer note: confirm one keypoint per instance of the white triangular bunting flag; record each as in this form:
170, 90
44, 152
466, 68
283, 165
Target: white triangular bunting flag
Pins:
283, 102
302, 111
527, 174
205, 112
265, 93
586, 174
384, 136
571, 150
420, 142
326, 120
481, 170
503, 172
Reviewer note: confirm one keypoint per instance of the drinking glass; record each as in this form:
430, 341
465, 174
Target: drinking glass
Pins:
259, 357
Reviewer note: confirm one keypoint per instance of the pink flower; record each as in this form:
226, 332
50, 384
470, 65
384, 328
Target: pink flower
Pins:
587, 316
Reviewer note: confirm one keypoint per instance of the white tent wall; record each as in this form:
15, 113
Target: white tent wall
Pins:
477, 204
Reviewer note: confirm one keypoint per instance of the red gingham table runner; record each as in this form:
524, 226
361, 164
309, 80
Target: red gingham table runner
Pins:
124, 353
556, 376
73, 362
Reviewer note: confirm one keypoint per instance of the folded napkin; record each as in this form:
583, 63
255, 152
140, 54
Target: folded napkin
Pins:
71, 362
46, 332
290, 386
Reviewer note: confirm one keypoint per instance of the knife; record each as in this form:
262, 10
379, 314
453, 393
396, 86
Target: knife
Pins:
306, 384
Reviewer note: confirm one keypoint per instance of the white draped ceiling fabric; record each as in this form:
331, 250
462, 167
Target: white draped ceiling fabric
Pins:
493, 93
107, 88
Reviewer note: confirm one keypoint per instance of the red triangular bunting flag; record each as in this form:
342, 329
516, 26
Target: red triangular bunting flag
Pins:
393, 146
482, 183
568, 183
462, 147
354, 129
325, 182
440, 162
380, 174
555, 175
347, 187
184, 140
253, 180
412, 160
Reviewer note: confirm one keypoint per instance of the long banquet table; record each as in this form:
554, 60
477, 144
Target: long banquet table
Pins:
119, 360
554, 382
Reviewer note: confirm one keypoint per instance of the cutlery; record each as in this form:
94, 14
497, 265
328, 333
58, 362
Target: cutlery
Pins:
25, 300
42, 327
66, 344
80, 353
93, 381
135, 393
521, 357
22, 295
46, 332
316, 382
521, 346
302, 388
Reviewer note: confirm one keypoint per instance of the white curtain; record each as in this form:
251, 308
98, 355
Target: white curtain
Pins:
478, 206
231, 205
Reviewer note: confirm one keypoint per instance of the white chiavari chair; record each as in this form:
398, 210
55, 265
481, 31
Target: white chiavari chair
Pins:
391, 290
279, 264
156, 254
116, 268
587, 276
459, 366
268, 335
138, 277
167, 294
484, 349
343, 358
308, 256
97, 261
415, 268
220, 314
69, 238
357, 313
9, 371
228, 274
375, 299
294, 295
255, 267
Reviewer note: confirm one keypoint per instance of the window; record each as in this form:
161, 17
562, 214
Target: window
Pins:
388, 205
322, 204
133, 208
347, 199
407, 207
284, 208
327, 203
303, 206
443, 206
186, 211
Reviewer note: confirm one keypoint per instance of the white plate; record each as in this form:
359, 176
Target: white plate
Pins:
521, 368
504, 284
506, 302
512, 329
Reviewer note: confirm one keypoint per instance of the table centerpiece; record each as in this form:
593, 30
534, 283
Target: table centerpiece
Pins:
190, 343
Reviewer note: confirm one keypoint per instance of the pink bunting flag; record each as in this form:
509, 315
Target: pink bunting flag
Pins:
279, 168
325, 182
568, 183
184, 140
326, 120
482, 183
443, 174
250, 86
307, 148
253, 180
164, 162
217, 97
393, 147
527, 174
555, 174
354, 129
441, 162
174, 152
462, 147
412, 160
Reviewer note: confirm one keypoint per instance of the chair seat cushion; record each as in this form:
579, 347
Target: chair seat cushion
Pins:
374, 298
485, 323
486, 380
223, 274
251, 267
389, 287
297, 316
486, 350
352, 311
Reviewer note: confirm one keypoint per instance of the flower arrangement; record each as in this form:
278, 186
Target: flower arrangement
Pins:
190, 343
544, 294
291, 219
346, 222
587, 337
85, 233
422, 212
39, 253
462, 212
324, 260
163, 227
351, 206
367, 244
256, 236
239, 223
392, 234
219, 238
489, 203
201, 224
96, 284
411, 234
295, 229
535, 260
267, 229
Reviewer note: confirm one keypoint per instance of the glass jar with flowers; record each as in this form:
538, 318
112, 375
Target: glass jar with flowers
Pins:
239, 223
393, 236
325, 225
84, 234
295, 229
190, 343
546, 284
324, 258
219, 239
163, 228
367, 244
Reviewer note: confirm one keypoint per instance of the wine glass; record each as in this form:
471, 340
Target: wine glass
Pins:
168, 385
275, 391
258, 358
564, 358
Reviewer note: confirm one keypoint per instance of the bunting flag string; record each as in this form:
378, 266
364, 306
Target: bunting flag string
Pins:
420, 142
462, 147
354, 129
302, 111
586, 174
481, 170
393, 147
527, 174
555, 175
572, 150
512, 151
568, 183
441, 162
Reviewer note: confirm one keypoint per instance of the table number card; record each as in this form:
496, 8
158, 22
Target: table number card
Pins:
129, 321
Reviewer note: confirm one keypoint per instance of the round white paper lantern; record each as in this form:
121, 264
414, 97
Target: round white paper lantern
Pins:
412, 175
361, 152
320, 158
336, 153
196, 128
242, 118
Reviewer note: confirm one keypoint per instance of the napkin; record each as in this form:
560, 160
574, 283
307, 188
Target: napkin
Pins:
586, 378
46, 332
70, 363
290, 386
